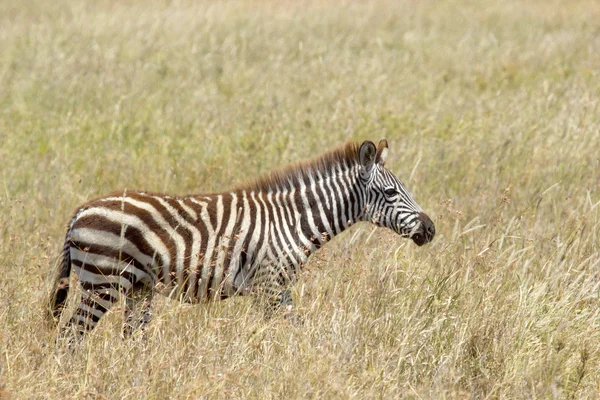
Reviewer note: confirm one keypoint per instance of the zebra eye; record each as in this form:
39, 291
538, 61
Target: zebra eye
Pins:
390, 192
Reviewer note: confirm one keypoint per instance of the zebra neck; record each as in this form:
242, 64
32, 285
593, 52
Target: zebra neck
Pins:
296, 215
327, 203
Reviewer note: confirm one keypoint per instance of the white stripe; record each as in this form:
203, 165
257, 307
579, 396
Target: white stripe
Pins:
321, 179
104, 303
196, 240
157, 216
234, 263
278, 232
110, 264
266, 232
89, 235
287, 199
296, 253
307, 244
337, 184
128, 220
197, 202
308, 211
114, 293
188, 209
91, 310
343, 184
224, 245
210, 246
352, 176
256, 233
85, 320
272, 240
334, 202
205, 219
98, 279
322, 215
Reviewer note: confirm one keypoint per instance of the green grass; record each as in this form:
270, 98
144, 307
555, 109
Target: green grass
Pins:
492, 115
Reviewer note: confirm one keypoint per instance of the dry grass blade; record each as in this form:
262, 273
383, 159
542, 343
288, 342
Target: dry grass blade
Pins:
491, 112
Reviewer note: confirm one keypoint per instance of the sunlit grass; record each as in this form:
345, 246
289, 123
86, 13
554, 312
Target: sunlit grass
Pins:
491, 111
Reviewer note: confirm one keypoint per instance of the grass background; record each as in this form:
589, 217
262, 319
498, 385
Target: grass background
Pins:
491, 110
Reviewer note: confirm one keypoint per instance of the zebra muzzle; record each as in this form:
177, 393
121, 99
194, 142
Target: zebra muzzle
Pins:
426, 231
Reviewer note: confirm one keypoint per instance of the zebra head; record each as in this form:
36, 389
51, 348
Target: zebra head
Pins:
387, 202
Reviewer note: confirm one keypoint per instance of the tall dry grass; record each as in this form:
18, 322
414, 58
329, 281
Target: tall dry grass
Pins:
492, 114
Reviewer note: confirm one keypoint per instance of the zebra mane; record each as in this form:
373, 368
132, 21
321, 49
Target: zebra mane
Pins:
345, 155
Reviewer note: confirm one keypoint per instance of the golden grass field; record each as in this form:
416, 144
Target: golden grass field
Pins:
492, 112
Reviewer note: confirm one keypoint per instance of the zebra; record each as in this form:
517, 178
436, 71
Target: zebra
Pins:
253, 239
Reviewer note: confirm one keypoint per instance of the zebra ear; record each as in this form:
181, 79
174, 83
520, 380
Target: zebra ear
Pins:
382, 151
367, 154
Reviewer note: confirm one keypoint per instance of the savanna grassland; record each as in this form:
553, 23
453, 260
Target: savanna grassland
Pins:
492, 112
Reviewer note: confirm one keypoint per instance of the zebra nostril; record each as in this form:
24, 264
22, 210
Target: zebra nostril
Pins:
427, 227
431, 230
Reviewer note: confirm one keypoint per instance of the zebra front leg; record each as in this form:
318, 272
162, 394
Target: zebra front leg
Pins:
271, 284
283, 305
283, 301
286, 305
280, 302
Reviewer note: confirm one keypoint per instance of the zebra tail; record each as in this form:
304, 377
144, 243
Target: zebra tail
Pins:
60, 289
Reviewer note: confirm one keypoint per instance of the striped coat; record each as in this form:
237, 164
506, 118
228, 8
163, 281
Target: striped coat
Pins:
252, 239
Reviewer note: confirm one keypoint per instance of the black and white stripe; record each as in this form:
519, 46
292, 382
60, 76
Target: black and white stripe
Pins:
253, 239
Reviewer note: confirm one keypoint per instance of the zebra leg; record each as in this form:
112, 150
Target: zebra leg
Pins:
271, 286
286, 304
95, 302
137, 310
284, 300
281, 304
